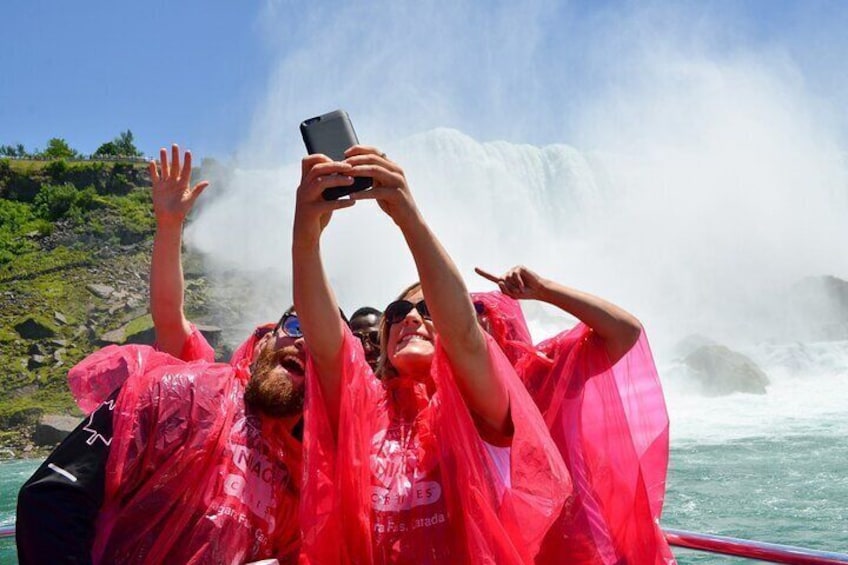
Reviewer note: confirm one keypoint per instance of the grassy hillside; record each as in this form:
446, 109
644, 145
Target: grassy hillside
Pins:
75, 242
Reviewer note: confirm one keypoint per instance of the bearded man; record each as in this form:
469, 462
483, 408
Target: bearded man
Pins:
181, 459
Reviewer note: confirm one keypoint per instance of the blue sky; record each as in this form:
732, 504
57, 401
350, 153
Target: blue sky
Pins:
86, 71
212, 74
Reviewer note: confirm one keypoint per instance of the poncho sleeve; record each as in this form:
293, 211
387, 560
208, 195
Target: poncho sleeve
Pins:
334, 502
507, 529
611, 426
96, 377
197, 348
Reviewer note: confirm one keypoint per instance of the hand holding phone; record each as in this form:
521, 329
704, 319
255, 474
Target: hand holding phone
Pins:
332, 134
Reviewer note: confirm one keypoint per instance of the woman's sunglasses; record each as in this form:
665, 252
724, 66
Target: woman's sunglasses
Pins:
397, 310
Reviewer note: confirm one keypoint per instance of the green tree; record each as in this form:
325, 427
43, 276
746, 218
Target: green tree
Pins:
58, 148
54, 202
108, 149
121, 146
16, 150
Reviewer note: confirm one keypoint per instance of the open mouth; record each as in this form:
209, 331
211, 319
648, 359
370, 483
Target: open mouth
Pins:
293, 365
412, 337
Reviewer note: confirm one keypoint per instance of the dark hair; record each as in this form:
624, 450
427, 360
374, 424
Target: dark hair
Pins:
366, 311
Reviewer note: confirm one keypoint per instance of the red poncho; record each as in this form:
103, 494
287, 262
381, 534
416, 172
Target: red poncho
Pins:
192, 476
411, 481
611, 426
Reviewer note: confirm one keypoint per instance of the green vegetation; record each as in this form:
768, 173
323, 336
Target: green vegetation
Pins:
121, 146
17, 222
16, 150
54, 202
64, 225
75, 241
58, 148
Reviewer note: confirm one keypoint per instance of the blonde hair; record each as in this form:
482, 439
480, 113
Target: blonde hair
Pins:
385, 369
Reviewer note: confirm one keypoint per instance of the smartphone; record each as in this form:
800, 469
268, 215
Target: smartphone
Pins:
332, 134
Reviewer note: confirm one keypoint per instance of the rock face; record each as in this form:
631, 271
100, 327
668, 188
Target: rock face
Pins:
53, 428
722, 371
816, 309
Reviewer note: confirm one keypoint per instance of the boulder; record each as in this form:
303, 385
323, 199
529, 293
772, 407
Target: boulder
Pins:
139, 330
816, 309
53, 428
36, 361
691, 343
722, 371
34, 328
27, 416
100, 290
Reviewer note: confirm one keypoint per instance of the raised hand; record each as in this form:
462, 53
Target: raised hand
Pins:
173, 195
390, 188
519, 282
312, 212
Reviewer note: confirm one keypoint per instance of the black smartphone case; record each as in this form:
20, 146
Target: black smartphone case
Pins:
332, 134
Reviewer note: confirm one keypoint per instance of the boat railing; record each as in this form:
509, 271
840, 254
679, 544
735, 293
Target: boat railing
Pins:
772, 552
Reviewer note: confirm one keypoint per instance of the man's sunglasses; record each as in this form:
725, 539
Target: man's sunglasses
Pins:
289, 323
370, 337
397, 310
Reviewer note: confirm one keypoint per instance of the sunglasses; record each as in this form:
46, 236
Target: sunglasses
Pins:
289, 323
371, 338
397, 310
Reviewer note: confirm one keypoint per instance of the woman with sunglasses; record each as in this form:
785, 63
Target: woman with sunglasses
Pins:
397, 467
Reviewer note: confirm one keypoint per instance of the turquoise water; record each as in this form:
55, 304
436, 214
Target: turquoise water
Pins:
790, 489
12, 475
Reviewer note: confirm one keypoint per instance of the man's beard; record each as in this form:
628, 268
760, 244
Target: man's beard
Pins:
270, 390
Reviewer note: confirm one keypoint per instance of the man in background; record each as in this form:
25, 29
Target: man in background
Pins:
365, 324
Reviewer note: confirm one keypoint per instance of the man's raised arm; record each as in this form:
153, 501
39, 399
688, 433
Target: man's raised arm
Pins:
173, 198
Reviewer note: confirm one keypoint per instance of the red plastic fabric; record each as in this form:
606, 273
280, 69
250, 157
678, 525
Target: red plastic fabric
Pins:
611, 426
97, 376
192, 475
243, 354
411, 480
